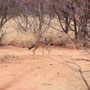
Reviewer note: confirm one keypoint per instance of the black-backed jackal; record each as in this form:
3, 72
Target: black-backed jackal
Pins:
44, 44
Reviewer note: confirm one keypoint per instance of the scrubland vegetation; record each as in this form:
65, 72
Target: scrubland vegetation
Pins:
66, 22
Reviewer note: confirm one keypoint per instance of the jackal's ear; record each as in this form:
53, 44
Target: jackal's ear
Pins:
45, 39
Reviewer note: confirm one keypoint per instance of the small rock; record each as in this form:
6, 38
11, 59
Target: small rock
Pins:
6, 65
38, 67
35, 74
51, 64
57, 72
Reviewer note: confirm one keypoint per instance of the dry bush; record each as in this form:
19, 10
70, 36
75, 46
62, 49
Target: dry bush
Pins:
61, 40
27, 43
8, 58
23, 44
26, 39
57, 41
13, 43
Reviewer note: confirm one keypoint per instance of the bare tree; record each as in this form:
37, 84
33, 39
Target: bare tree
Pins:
6, 11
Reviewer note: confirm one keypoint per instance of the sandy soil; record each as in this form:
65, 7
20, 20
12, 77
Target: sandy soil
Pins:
21, 70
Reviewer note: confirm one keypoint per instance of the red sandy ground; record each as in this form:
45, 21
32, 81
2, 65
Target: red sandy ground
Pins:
54, 71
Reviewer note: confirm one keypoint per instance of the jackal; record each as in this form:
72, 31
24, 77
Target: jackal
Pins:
44, 44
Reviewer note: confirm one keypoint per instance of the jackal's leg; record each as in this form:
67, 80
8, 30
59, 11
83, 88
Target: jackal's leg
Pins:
43, 50
34, 50
48, 50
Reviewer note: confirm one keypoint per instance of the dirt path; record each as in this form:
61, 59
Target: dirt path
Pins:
20, 70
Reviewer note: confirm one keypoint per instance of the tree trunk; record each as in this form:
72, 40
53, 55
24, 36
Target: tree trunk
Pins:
75, 29
66, 23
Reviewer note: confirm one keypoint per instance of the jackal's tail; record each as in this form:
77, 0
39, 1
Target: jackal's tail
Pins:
31, 47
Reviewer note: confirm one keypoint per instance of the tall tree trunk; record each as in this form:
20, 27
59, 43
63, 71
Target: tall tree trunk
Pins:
66, 23
75, 29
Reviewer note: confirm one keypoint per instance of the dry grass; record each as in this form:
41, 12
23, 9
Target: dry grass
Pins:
21, 43
26, 39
